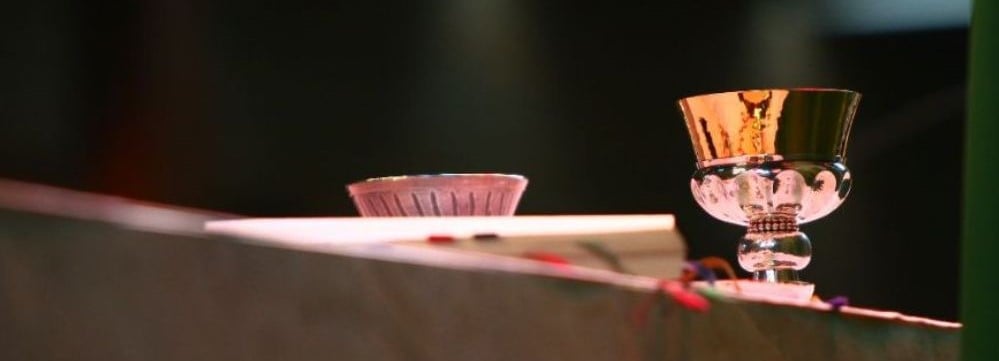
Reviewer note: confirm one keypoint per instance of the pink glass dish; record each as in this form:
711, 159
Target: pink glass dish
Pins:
438, 195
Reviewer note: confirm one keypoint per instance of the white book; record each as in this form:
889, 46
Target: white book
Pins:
644, 245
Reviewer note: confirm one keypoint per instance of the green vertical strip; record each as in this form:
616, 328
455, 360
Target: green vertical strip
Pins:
980, 247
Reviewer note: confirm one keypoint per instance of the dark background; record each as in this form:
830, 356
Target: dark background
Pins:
270, 108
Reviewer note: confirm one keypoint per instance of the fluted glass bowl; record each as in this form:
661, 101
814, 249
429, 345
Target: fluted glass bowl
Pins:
438, 195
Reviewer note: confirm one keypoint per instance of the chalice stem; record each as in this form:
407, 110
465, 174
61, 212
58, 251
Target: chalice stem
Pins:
776, 275
773, 248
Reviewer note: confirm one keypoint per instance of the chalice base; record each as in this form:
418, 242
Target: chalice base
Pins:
793, 291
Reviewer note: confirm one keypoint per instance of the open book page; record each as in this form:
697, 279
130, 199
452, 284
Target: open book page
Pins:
646, 245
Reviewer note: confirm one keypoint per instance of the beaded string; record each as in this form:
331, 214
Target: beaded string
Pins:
704, 268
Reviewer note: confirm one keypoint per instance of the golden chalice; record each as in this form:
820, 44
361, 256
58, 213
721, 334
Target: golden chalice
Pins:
771, 160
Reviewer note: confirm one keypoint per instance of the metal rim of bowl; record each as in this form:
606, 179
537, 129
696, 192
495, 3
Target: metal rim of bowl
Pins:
516, 180
397, 178
792, 90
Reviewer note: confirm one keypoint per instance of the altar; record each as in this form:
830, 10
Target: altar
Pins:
87, 277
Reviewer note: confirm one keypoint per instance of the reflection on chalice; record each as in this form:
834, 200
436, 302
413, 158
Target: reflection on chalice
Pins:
771, 160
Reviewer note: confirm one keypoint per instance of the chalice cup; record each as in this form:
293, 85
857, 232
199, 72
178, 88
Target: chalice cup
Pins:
771, 160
